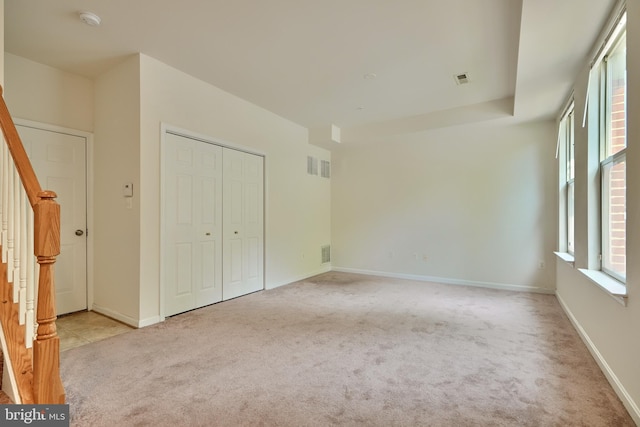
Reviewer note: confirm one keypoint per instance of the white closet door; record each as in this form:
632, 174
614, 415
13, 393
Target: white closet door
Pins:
243, 205
192, 224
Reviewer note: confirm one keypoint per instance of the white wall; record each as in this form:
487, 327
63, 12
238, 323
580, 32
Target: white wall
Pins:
124, 108
297, 217
116, 230
4, 381
45, 94
48, 95
609, 328
2, 54
477, 200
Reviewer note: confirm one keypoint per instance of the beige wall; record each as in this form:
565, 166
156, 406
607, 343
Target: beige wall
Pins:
609, 328
478, 201
2, 54
297, 216
45, 94
116, 231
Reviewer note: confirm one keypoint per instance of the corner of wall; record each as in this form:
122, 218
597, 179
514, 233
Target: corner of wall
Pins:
117, 161
2, 42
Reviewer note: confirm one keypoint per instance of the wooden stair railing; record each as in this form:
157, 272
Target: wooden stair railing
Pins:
31, 223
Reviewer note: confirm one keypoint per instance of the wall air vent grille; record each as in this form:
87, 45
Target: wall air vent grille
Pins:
325, 168
326, 254
312, 165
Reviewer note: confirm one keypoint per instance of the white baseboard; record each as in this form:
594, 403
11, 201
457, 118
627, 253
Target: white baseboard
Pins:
620, 390
324, 269
149, 321
136, 323
141, 323
447, 281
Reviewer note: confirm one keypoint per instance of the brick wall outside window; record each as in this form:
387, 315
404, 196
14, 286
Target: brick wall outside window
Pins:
617, 198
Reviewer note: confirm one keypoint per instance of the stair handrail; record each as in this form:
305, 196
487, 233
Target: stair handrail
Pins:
38, 379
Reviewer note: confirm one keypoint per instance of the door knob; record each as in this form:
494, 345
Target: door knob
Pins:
79, 232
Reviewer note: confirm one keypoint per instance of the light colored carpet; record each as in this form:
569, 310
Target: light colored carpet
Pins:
345, 349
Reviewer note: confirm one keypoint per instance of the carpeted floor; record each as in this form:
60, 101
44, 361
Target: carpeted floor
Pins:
345, 349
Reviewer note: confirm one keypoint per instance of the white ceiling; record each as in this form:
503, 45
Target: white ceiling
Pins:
306, 60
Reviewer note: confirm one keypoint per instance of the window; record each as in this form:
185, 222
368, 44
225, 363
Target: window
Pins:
613, 147
567, 173
571, 173
599, 197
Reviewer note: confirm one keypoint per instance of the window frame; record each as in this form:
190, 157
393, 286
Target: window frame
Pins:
566, 159
609, 161
570, 180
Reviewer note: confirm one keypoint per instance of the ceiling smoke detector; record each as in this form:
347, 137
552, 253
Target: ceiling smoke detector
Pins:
462, 78
90, 18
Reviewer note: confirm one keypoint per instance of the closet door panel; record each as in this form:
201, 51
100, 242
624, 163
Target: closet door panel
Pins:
192, 223
243, 207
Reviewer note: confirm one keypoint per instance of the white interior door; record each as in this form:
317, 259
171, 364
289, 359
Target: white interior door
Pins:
59, 161
192, 222
243, 206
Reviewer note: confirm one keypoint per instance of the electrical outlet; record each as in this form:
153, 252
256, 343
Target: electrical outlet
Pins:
425, 258
541, 265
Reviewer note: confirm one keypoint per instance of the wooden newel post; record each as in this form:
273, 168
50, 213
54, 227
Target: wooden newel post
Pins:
47, 385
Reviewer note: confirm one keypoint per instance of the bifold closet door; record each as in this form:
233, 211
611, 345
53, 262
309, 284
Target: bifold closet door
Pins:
192, 223
243, 229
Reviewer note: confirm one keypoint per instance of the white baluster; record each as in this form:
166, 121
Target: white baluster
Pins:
10, 225
30, 328
5, 201
17, 209
23, 256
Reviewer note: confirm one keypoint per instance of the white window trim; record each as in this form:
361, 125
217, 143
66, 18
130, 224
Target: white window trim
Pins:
570, 180
562, 150
614, 288
604, 133
567, 257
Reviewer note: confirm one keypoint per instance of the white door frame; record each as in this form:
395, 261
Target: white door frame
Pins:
175, 130
88, 136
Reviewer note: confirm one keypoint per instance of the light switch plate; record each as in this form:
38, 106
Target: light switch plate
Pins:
127, 189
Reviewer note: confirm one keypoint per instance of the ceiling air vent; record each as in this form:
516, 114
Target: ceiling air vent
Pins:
461, 79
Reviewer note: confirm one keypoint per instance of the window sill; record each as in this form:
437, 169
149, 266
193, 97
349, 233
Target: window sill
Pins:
566, 257
611, 286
